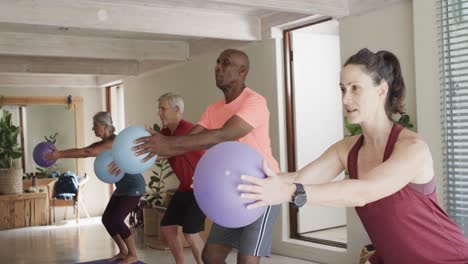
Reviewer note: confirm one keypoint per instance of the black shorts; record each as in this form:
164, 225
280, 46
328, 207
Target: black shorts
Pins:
183, 210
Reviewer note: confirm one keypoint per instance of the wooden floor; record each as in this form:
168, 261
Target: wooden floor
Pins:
67, 242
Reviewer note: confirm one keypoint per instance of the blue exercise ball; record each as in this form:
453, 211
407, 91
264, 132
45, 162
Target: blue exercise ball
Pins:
101, 168
124, 156
215, 182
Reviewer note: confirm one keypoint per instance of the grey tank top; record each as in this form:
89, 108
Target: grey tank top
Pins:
130, 185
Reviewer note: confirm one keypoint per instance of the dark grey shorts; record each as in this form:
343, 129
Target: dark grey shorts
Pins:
251, 240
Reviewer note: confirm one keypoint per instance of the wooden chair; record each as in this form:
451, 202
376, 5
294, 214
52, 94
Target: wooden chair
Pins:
76, 203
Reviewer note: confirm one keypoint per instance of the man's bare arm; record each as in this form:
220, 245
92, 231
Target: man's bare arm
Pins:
199, 138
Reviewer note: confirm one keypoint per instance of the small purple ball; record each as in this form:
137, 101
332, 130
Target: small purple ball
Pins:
39, 151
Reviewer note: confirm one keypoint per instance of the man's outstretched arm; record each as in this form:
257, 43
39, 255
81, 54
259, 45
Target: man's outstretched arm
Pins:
199, 138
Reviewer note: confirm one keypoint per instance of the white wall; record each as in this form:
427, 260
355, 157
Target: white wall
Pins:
96, 193
194, 80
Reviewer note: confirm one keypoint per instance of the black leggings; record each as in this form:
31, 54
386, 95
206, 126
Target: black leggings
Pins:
116, 211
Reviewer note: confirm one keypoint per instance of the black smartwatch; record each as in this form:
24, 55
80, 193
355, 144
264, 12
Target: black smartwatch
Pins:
299, 197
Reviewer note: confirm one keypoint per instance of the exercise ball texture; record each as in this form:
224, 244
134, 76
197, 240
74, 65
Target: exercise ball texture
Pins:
123, 155
215, 182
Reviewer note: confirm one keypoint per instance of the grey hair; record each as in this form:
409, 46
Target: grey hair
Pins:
174, 99
104, 118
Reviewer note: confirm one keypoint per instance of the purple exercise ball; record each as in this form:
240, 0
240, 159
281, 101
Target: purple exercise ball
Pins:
39, 151
215, 183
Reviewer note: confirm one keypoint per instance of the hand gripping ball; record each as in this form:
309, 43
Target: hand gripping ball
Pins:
123, 155
101, 168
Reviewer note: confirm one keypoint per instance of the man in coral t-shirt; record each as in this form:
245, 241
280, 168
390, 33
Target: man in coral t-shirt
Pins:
241, 115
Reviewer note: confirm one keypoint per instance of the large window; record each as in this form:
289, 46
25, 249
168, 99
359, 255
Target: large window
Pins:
454, 67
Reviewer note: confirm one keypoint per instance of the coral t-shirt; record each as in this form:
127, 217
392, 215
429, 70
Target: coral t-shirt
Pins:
253, 109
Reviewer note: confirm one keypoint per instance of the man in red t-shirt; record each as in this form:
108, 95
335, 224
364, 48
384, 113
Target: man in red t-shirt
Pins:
183, 210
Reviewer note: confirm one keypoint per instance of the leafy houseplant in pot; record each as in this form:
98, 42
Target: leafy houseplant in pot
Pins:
11, 178
152, 200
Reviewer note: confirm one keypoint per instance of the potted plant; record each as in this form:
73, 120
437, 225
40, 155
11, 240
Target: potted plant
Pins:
152, 200
154, 197
10, 177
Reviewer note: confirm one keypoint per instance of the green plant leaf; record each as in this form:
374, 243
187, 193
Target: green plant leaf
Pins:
8, 141
151, 199
156, 127
151, 184
4, 163
15, 155
154, 178
354, 129
404, 120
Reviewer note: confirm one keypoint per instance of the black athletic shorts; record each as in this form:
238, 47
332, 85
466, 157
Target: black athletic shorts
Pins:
183, 210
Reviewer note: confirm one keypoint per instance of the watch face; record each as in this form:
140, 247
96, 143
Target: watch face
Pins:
300, 200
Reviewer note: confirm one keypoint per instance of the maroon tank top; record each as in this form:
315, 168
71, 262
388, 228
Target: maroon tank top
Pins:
409, 226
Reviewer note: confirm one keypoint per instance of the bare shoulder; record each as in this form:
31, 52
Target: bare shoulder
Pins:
102, 143
411, 149
412, 142
344, 146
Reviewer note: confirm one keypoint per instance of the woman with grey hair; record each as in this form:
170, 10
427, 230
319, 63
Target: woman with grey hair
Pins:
103, 128
126, 195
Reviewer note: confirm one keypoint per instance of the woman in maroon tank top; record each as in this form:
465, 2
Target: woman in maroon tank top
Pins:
391, 183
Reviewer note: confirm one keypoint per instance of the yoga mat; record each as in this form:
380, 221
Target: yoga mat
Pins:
106, 261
